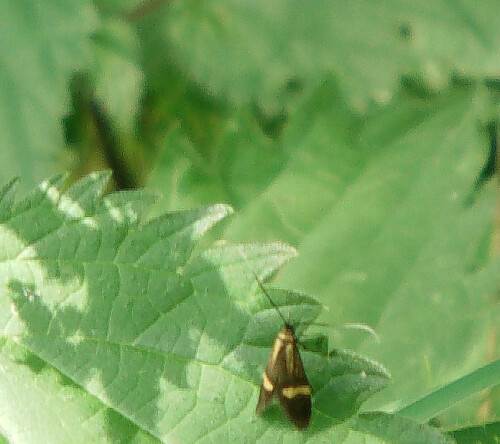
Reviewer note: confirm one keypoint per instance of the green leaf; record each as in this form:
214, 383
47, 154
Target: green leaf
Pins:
250, 49
39, 404
392, 230
42, 45
225, 173
428, 407
115, 316
395, 429
482, 434
118, 80
320, 161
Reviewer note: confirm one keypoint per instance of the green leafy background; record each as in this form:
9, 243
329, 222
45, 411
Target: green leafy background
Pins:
364, 135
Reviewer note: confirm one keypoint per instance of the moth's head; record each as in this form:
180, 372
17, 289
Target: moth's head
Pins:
289, 329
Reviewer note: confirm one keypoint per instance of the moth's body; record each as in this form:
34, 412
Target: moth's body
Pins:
285, 378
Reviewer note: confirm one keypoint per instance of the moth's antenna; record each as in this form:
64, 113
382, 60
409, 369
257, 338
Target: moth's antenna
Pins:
351, 326
261, 285
363, 327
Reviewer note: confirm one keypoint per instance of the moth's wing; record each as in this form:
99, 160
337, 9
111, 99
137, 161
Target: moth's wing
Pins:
285, 377
271, 377
288, 369
294, 390
297, 408
265, 398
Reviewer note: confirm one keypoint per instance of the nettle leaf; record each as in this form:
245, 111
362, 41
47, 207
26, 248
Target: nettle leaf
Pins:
255, 49
112, 331
383, 427
393, 220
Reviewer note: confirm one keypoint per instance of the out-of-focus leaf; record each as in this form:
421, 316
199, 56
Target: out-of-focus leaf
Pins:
225, 172
483, 434
252, 49
117, 75
392, 230
431, 405
42, 43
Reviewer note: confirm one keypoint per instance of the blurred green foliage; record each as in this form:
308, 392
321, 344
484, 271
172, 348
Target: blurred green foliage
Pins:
364, 134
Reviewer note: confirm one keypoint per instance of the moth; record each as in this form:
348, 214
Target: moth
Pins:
285, 377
